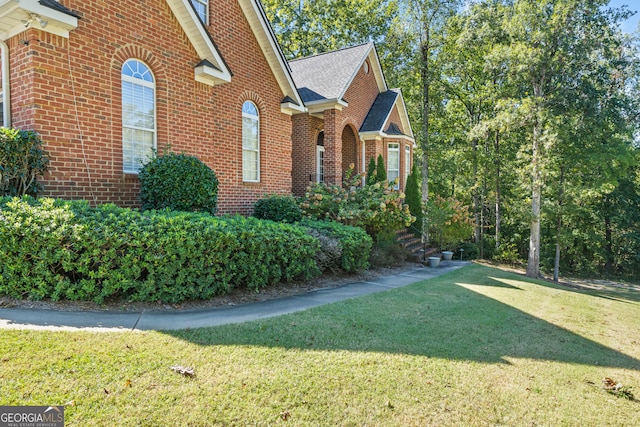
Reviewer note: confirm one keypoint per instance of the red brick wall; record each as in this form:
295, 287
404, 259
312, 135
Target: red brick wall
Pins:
69, 91
360, 96
305, 135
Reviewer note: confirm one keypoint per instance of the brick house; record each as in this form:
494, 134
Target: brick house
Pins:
351, 117
105, 82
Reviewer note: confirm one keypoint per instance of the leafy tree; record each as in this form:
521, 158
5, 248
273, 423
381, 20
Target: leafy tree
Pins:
306, 28
550, 44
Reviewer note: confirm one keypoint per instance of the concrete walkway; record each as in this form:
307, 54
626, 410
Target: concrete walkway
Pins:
19, 318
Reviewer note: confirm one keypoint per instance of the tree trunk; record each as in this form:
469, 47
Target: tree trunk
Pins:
556, 263
424, 72
608, 264
498, 202
533, 263
476, 196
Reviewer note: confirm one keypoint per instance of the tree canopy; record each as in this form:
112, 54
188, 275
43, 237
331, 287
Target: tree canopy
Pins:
527, 111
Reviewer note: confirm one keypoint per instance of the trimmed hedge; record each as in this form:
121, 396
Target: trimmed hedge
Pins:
180, 182
278, 208
67, 250
354, 243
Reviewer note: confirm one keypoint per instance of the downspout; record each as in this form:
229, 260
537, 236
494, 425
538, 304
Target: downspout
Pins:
6, 85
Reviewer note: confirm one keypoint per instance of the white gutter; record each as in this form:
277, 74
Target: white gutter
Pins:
6, 85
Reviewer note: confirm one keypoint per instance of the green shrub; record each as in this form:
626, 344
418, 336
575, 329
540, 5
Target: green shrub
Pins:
470, 251
381, 171
371, 172
450, 222
413, 199
179, 182
22, 160
375, 208
387, 252
508, 254
278, 208
351, 254
68, 250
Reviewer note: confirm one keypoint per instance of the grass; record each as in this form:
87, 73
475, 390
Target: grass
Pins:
476, 347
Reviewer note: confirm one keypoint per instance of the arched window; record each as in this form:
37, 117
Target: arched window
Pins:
320, 158
250, 142
138, 115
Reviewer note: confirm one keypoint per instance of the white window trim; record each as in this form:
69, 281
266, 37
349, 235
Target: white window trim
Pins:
407, 163
257, 150
151, 85
206, 10
319, 164
393, 146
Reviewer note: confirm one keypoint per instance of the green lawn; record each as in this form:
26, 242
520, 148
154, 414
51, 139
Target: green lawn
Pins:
476, 347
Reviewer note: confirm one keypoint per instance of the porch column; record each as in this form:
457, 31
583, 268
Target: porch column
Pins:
332, 149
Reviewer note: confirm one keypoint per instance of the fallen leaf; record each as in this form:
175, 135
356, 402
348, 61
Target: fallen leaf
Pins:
285, 415
106, 391
127, 383
183, 370
610, 384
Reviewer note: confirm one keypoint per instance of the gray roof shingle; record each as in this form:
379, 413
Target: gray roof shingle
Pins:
379, 111
327, 76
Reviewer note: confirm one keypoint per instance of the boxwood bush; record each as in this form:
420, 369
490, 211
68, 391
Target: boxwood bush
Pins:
179, 182
67, 250
278, 208
354, 246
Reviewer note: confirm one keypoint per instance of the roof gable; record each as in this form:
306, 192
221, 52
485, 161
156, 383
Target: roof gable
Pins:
327, 76
211, 69
257, 18
380, 111
377, 120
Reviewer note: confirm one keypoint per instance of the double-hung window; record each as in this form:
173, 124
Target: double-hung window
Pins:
250, 142
138, 115
201, 7
393, 163
407, 163
320, 158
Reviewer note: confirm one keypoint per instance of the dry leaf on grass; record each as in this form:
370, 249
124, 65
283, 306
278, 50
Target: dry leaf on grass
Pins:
617, 389
183, 370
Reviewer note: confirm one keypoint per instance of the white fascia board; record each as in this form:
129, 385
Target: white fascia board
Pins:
201, 42
372, 55
270, 48
13, 12
290, 108
209, 75
404, 116
326, 104
378, 135
377, 70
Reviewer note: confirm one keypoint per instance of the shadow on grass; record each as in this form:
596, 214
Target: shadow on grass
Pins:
436, 318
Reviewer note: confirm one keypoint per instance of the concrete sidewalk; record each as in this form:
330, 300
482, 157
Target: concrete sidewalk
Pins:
18, 318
